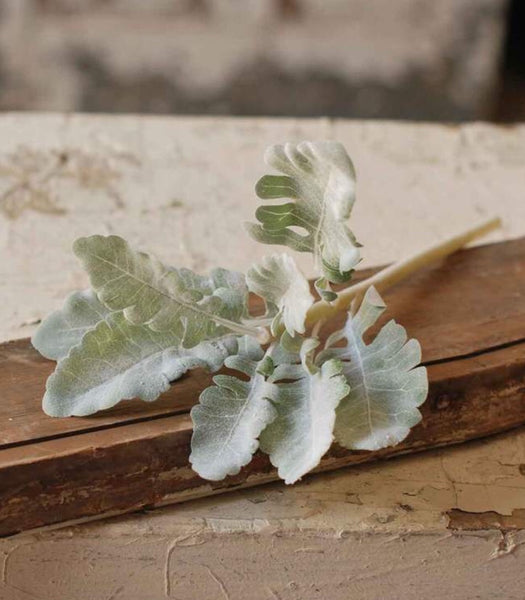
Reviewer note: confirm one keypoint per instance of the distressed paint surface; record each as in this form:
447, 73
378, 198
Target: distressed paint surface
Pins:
180, 191
368, 532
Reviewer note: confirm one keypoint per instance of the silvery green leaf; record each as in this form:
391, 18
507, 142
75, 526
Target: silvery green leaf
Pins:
118, 360
285, 289
323, 288
302, 432
64, 328
194, 308
386, 387
291, 344
307, 355
231, 415
320, 179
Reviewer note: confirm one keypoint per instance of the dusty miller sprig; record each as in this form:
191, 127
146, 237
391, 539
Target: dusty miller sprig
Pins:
143, 324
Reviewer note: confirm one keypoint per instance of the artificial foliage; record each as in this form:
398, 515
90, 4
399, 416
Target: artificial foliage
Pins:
143, 324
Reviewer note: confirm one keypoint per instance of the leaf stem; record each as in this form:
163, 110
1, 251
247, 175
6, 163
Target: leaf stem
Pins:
398, 271
261, 334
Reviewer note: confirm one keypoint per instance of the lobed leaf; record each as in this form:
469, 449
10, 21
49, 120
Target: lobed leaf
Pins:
324, 289
192, 307
320, 179
306, 411
231, 415
64, 328
285, 290
119, 360
386, 387
285, 403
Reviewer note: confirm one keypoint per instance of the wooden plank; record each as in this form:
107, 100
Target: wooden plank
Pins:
472, 301
468, 313
146, 464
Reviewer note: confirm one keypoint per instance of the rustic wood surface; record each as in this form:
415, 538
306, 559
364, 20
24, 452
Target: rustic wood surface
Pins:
136, 455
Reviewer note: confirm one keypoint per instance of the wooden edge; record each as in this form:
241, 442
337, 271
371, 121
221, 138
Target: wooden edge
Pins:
146, 464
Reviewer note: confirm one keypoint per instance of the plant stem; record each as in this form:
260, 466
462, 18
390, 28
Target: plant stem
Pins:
398, 271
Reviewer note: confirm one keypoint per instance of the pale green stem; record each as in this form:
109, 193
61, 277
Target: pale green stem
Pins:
261, 334
398, 271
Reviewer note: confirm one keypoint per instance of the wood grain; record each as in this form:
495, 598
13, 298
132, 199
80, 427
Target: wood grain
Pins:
468, 313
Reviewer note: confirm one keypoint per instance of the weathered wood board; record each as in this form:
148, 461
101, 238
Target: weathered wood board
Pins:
468, 313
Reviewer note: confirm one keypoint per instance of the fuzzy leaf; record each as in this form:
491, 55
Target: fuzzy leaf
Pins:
320, 178
231, 415
323, 288
302, 432
385, 386
285, 289
192, 307
118, 360
64, 328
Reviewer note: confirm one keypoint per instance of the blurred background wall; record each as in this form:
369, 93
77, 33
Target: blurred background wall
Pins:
413, 59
